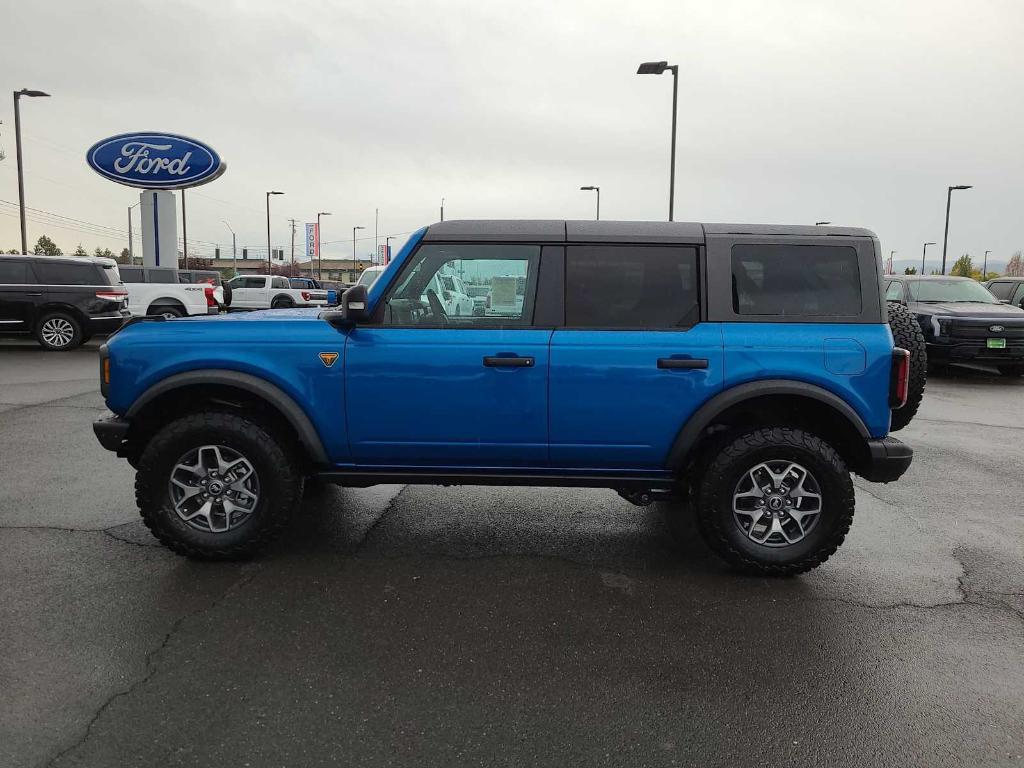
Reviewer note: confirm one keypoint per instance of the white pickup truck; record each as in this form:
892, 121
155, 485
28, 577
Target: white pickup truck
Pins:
272, 292
161, 291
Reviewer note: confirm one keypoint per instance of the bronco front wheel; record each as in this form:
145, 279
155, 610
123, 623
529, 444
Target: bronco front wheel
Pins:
216, 486
776, 501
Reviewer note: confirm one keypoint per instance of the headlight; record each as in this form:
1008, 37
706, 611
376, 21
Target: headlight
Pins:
940, 325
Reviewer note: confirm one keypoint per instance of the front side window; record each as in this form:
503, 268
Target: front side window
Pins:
501, 278
631, 286
13, 272
894, 291
67, 274
781, 280
1002, 291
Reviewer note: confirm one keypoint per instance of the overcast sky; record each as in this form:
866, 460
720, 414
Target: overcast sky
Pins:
860, 113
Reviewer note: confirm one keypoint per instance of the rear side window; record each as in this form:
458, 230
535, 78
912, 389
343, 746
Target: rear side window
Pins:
13, 272
1003, 290
57, 273
280, 282
800, 280
631, 286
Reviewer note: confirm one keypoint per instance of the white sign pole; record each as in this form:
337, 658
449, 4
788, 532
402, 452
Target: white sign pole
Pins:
159, 229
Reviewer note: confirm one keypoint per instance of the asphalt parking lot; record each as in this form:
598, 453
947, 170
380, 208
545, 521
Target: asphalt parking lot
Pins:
492, 626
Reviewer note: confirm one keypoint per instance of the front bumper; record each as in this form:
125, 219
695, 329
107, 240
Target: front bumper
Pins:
975, 351
112, 432
887, 460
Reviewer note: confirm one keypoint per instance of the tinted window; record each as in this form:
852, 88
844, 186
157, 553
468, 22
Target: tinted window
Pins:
895, 291
279, 282
253, 282
503, 274
13, 272
161, 276
132, 275
1018, 297
57, 273
1002, 291
629, 286
801, 280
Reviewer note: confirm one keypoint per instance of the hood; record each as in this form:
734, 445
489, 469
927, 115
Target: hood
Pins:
959, 309
259, 315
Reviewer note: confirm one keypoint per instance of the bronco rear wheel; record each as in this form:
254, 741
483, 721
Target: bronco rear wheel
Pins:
216, 486
906, 334
775, 501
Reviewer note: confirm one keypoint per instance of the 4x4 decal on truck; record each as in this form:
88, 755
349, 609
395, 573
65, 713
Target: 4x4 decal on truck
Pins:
328, 358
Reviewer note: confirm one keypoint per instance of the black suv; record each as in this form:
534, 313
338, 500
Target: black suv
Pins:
1009, 290
62, 301
962, 322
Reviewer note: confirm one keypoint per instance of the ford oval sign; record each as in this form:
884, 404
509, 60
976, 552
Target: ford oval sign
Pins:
155, 160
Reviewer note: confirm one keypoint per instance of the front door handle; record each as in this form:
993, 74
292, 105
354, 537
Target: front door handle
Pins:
508, 362
33, 294
682, 362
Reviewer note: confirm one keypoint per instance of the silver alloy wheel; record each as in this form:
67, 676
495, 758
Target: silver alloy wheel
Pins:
214, 488
170, 315
57, 332
777, 503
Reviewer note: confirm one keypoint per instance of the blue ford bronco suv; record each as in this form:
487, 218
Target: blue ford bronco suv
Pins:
736, 373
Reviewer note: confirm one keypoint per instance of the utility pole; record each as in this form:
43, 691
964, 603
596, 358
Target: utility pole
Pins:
984, 269
234, 249
442, 209
293, 245
376, 219
184, 229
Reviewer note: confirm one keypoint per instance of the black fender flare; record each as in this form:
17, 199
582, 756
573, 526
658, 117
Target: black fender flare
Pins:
262, 388
284, 296
707, 413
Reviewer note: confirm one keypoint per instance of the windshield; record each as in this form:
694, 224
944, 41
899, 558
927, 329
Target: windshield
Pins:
950, 290
369, 277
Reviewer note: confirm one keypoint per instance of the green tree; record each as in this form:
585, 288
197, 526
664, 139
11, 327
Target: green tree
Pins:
80, 251
46, 247
14, 250
962, 267
105, 253
910, 271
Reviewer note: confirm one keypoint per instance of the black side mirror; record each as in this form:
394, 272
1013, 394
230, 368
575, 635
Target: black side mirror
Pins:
352, 310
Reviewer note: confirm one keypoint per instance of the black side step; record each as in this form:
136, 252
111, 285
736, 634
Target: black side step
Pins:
363, 479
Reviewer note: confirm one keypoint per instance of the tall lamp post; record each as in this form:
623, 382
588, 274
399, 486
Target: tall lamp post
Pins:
234, 249
984, 268
924, 251
21, 173
598, 190
442, 209
319, 243
891, 253
387, 249
945, 237
270, 269
131, 244
354, 229
657, 68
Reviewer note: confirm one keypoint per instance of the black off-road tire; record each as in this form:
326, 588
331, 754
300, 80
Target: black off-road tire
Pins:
274, 459
166, 310
714, 502
906, 333
59, 332
282, 302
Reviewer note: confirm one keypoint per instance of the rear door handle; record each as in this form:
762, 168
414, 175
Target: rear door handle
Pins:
508, 362
682, 362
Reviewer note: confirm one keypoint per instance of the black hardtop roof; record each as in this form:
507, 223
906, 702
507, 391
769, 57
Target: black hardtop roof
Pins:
562, 230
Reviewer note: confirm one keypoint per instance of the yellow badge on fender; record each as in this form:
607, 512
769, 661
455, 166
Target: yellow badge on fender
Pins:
328, 358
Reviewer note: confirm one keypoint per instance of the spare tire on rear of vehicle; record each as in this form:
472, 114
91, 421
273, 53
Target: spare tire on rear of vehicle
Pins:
227, 294
906, 334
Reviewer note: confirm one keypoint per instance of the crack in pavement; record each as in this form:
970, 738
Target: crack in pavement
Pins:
148, 663
376, 523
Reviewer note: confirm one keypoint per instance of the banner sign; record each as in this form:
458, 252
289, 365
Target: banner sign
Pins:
312, 240
155, 160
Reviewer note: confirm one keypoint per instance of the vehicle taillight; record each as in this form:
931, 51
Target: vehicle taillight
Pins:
210, 300
899, 380
112, 295
305, 295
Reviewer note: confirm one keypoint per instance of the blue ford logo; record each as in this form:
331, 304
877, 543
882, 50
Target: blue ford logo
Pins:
155, 160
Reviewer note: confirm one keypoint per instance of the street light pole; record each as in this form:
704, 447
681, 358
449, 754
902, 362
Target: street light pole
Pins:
821, 223
376, 222
234, 250
890, 261
984, 269
923, 252
270, 269
354, 252
657, 68
945, 237
319, 242
598, 190
442, 209
387, 249
21, 172
131, 245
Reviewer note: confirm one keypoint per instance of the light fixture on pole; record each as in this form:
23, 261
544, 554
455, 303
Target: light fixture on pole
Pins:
945, 237
234, 250
657, 68
21, 172
319, 244
924, 251
354, 229
598, 190
821, 223
270, 269
442, 209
